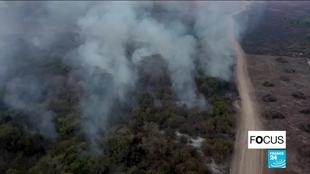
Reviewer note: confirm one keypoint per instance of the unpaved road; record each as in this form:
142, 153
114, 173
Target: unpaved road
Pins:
246, 161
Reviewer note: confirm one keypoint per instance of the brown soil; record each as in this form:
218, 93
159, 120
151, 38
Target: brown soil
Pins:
246, 160
292, 106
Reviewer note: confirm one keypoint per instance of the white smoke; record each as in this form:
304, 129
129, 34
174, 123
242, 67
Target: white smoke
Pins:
26, 94
178, 49
182, 33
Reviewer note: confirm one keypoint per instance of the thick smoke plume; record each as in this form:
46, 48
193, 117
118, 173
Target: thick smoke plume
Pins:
111, 39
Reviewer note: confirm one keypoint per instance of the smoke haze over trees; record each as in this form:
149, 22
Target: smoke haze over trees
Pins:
70, 71
111, 38
117, 87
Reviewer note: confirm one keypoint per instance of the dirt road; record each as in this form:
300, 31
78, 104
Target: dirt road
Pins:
246, 161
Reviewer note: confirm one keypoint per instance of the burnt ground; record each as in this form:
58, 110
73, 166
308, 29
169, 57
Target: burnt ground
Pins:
279, 28
282, 86
278, 48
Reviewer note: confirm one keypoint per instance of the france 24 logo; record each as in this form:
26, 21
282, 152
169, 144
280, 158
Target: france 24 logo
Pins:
276, 159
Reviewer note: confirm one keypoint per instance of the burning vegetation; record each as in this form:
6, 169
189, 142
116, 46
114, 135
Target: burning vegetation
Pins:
117, 87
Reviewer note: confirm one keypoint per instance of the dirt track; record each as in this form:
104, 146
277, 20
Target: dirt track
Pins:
246, 161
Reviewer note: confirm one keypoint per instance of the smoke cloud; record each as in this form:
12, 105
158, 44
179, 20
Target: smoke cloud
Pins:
187, 35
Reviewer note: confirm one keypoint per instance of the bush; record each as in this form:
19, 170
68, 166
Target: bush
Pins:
118, 145
299, 95
65, 159
305, 111
268, 84
13, 171
273, 115
219, 149
269, 98
220, 107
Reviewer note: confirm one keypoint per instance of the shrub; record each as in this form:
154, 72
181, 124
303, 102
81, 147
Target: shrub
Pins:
118, 145
269, 98
219, 149
299, 95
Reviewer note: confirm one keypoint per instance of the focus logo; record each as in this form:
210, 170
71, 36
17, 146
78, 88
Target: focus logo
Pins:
266, 139
276, 159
